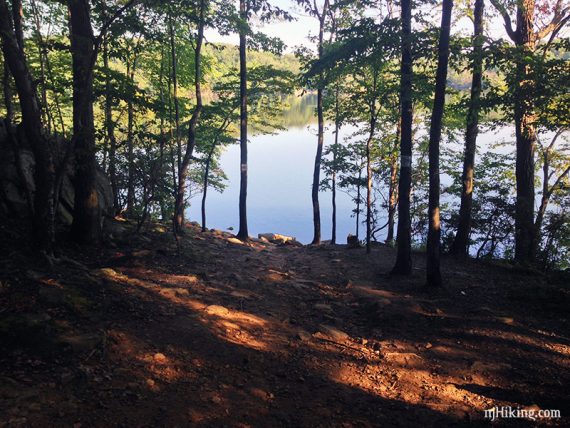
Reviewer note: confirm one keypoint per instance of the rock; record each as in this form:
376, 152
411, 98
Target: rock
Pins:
217, 310
81, 343
303, 336
234, 240
14, 183
334, 333
276, 238
159, 357
323, 307
352, 242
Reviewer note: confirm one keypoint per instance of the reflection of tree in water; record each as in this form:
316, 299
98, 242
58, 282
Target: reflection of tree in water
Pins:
301, 111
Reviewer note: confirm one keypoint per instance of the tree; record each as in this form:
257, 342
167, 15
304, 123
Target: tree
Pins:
183, 167
526, 36
461, 243
43, 228
404, 239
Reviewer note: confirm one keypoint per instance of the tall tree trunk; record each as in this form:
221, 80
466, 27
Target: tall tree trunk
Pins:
7, 93
404, 239
17, 16
243, 232
336, 134
460, 245
110, 128
131, 65
434, 230
86, 227
320, 135
525, 135
206, 184
44, 174
358, 200
369, 164
174, 79
392, 189
183, 170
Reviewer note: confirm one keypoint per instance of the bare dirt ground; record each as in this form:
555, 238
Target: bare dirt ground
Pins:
142, 333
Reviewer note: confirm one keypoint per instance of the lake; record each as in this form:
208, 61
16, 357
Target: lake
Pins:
280, 179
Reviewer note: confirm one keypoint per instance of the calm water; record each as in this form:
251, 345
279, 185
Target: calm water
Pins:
279, 189
280, 179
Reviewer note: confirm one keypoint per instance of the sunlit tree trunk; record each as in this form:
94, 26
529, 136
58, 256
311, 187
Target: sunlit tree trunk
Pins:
434, 230
404, 239
392, 189
460, 245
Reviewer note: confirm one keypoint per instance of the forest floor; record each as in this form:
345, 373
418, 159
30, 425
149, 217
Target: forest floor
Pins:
212, 332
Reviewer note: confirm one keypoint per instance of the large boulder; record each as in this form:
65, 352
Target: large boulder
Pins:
14, 181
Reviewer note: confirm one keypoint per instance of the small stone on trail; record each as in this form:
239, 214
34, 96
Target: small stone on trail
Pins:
159, 357
333, 333
217, 310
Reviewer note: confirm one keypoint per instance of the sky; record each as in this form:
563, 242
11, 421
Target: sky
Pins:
297, 32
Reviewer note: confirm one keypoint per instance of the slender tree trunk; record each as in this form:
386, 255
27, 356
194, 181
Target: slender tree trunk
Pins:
86, 227
320, 137
336, 134
392, 189
434, 230
44, 174
183, 170
110, 128
369, 165
358, 199
17, 16
7, 93
174, 77
243, 232
404, 239
131, 66
460, 245
206, 178
525, 135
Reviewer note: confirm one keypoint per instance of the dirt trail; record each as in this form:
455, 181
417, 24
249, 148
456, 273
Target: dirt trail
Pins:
218, 333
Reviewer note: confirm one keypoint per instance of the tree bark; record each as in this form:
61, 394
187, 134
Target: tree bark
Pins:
43, 229
460, 245
369, 164
7, 93
86, 227
320, 136
243, 232
434, 231
392, 189
525, 135
110, 128
404, 239
183, 170
206, 184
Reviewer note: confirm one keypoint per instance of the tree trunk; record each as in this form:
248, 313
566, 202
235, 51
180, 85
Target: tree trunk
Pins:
17, 16
131, 67
44, 174
206, 178
460, 245
183, 170
369, 165
434, 231
110, 129
333, 184
358, 198
7, 93
392, 190
86, 227
525, 135
404, 239
320, 138
243, 232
